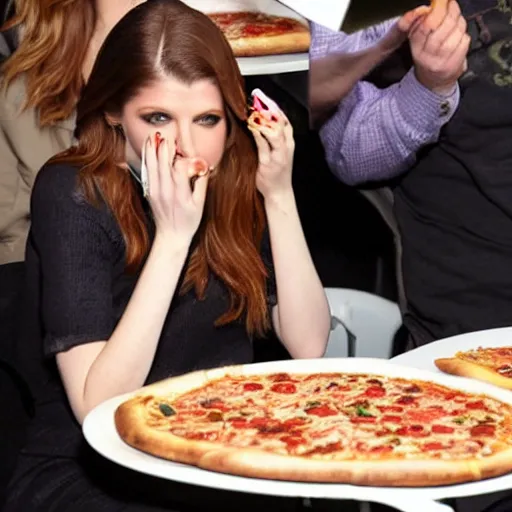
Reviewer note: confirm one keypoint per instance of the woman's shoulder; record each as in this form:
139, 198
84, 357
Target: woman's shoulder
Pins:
58, 199
57, 179
57, 187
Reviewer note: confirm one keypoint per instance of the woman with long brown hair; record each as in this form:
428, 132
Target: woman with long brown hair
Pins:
136, 276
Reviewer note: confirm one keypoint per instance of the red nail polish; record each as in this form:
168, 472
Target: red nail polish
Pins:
257, 120
158, 139
273, 118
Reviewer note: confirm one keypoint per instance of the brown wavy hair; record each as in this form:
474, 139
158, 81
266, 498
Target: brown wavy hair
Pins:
53, 45
167, 37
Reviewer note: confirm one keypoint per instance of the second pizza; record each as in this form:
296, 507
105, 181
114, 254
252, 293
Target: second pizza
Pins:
253, 34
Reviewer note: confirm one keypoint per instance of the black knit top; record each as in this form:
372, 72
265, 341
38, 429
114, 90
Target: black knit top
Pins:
78, 290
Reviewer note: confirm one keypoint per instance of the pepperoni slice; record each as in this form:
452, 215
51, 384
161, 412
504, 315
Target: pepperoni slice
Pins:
322, 411
385, 448
479, 404
258, 422
215, 403
392, 419
295, 422
375, 392
292, 440
432, 446
406, 400
442, 429
423, 415
483, 430
252, 386
363, 419
286, 388
390, 408
239, 422
412, 431
451, 395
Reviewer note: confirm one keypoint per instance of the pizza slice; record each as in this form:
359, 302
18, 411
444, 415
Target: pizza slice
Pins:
492, 365
263, 110
252, 33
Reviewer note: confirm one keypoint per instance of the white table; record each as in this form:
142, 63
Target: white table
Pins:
423, 359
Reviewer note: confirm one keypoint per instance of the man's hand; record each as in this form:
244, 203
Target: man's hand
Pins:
439, 54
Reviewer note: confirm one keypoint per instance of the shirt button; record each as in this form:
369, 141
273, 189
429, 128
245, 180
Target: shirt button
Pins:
445, 108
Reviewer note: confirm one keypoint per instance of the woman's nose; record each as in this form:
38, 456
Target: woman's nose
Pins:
184, 145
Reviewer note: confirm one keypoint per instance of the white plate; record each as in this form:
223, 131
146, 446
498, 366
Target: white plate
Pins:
423, 357
273, 64
269, 64
100, 433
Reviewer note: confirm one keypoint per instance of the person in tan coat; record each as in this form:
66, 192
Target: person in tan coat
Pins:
42, 80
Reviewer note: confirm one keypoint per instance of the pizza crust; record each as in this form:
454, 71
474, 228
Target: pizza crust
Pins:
463, 368
385, 473
293, 42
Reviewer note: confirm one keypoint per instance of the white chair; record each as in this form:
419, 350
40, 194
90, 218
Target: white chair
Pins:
363, 324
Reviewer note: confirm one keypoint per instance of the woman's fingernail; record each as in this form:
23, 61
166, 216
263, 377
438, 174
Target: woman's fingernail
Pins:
158, 139
273, 118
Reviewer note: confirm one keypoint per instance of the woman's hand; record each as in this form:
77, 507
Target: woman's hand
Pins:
276, 146
177, 205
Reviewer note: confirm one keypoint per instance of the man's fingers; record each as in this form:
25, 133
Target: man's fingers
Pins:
407, 21
437, 14
447, 36
458, 56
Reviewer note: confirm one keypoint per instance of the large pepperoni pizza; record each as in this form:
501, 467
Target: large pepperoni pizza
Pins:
354, 428
252, 34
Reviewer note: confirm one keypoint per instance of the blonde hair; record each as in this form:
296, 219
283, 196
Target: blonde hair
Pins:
55, 35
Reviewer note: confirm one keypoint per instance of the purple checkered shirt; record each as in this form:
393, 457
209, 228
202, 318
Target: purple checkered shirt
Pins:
375, 133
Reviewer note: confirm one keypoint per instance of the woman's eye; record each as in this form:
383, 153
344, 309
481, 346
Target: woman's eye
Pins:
156, 118
209, 120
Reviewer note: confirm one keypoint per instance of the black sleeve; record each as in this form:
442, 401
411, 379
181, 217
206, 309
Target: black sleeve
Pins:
76, 257
266, 256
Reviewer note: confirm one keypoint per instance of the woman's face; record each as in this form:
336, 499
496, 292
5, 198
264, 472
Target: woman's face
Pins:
192, 116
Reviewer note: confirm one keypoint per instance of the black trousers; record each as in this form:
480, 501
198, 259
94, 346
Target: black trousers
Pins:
14, 395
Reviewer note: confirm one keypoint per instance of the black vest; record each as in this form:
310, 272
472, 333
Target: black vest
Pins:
454, 207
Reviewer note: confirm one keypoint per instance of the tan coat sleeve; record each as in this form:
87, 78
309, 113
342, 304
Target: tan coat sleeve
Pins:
24, 149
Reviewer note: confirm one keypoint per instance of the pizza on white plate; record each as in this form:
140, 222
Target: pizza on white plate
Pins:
355, 428
253, 33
